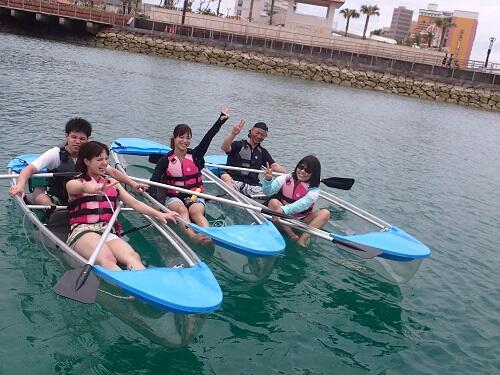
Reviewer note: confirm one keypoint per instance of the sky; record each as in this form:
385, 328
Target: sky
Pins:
488, 26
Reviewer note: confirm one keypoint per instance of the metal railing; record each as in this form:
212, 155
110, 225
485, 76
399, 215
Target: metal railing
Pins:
85, 11
275, 39
344, 50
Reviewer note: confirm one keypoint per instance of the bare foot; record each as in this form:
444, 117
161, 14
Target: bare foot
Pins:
293, 237
201, 239
304, 242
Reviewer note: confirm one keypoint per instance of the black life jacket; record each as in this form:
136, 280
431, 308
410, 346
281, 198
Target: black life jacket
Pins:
246, 158
57, 185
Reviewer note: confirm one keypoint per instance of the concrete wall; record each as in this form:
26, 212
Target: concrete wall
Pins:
292, 67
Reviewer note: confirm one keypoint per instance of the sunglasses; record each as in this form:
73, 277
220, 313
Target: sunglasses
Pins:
304, 168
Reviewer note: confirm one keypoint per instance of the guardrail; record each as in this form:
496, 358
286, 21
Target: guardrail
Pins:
343, 51
94, 13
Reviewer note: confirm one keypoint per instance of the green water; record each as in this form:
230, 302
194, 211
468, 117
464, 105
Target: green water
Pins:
430, 168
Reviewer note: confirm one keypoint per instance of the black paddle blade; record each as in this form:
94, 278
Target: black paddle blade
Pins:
267, 211
363, 251
339, 182
80, 284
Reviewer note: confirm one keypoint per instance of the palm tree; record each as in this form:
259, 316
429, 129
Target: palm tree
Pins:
369, 10
271, 13
348, 14
444, 23
430, 36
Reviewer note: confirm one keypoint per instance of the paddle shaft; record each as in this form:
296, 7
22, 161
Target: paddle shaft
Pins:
42, 175
333, 182
211, 197
88, 267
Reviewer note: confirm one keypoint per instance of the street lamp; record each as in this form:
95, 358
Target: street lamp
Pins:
492, 40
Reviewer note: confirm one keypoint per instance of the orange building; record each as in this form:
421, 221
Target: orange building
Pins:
461, 36
459, 39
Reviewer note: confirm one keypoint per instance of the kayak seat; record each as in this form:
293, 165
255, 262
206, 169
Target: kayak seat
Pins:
58, 223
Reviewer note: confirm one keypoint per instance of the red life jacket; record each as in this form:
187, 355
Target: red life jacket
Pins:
185, 175
92, 208
291, 192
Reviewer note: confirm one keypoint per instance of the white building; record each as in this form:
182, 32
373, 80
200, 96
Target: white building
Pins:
285, 14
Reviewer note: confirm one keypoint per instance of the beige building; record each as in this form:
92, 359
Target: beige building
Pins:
286, 13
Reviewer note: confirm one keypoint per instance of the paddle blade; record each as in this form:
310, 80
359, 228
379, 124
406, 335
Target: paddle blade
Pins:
80, 284
339, 182
361, 250
252, 239
267, 211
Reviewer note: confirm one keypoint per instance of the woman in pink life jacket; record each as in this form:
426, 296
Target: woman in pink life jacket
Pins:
182, 167
295, 194
91, 203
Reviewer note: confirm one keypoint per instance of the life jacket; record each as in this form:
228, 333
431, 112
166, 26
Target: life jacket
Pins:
92, 208
185, 175
246, 158
292, 191
57, 185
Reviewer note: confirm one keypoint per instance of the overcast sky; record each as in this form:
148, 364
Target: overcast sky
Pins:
489, 18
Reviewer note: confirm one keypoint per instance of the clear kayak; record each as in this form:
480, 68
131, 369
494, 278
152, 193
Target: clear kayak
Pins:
244, 243
167, 302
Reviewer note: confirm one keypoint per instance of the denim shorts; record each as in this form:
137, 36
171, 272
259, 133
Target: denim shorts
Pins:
187, 201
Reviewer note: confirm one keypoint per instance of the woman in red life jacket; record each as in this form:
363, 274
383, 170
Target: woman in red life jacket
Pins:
182, 167
295, 195
92, 200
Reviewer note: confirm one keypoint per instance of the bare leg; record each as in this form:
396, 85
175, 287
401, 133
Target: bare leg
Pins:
85, 246
316, 220
125, 254
197, 214
274, 205
181, 209
41, 198
228, 180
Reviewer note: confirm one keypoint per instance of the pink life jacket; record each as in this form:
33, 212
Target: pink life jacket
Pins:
185, 175
291, 192
92, 208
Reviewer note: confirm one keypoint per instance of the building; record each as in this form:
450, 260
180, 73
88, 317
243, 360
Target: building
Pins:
459, 39
400, 24
287, 13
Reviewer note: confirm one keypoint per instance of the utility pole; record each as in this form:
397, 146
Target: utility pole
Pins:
251, 11
492, 40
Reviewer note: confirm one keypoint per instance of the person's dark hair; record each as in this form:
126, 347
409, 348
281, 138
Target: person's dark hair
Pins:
88, 151
312, 163
179, 131
79, 125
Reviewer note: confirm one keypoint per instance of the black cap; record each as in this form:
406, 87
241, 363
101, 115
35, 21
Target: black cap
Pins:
261, 125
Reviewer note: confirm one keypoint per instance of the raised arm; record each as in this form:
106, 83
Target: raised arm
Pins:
226, 144
200, 150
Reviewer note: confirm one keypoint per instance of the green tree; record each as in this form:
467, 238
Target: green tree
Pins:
348, 14
430, 36
369, 10
444, 23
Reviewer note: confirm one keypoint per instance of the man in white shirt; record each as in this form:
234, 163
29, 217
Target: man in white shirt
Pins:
62, 159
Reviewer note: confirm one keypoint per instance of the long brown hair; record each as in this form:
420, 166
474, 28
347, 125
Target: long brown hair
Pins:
88, 151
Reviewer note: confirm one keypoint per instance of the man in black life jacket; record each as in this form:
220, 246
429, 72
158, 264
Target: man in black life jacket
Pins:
247, 153
62, 159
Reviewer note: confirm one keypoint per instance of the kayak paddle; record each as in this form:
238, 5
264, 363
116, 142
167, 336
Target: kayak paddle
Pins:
81, 284
332, 182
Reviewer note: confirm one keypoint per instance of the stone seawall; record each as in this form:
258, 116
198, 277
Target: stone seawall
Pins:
292, 67
174, 47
